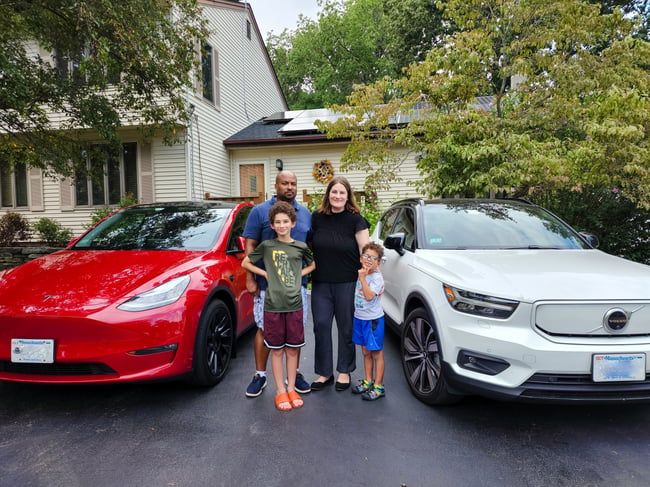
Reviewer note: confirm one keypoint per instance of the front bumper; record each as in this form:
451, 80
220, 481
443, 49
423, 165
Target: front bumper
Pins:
108, 348
551, 388
517, 362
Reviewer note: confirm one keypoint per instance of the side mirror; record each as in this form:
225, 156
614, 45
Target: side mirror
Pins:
590, 239
240, 250
395, 241
241, 243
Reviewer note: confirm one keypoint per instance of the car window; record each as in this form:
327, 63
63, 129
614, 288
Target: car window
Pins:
238, 225
495, 226
387, 223
159, 227
405, 223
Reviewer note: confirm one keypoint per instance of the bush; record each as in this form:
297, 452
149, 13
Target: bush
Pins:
100, 213
13, 228
369, 205
622, 227
52, 232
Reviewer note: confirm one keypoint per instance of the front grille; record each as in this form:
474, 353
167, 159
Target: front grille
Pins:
604, 335
62, 369
582, 387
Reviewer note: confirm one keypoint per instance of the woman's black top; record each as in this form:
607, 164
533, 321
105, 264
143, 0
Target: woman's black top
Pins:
335, 247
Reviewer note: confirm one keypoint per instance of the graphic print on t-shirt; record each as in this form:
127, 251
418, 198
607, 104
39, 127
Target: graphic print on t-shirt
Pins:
283, 268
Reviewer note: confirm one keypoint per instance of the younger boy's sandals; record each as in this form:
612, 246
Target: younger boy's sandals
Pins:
296, 400
377, 392
282, 402
362, 386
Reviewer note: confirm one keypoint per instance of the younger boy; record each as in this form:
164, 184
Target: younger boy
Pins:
286, 261
369, 322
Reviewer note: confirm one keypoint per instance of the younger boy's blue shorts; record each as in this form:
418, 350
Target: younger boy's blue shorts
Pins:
369, 333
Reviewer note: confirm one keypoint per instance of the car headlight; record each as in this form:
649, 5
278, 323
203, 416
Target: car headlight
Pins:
479, 304
162, 295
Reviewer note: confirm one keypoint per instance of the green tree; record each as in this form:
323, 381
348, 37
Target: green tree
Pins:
620, 225
580, 116
352, 42
320, 62
412, 28
116, 62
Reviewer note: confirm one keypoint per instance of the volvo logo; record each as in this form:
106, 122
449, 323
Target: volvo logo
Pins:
615, 320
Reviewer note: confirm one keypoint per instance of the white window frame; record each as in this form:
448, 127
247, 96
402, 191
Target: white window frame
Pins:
14, 182
210, 55
89, 184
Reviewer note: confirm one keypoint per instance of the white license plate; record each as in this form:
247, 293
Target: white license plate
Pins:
29, 350
613, 367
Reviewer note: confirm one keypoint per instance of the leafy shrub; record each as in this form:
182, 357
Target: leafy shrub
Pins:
51, 232
13, 228
622, 227
100, 213
369, 205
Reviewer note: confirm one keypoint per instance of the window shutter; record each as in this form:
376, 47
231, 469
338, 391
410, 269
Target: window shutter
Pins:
217, 81
66, 188
198, 77
146, 174
36, 189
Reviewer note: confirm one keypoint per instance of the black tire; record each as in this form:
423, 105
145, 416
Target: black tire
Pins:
214, 344
422, 359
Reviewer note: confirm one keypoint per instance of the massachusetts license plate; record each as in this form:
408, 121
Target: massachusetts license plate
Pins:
35, 351
613, 367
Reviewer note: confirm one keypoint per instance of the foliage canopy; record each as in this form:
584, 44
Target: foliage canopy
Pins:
353, 41
115, 63
579, 116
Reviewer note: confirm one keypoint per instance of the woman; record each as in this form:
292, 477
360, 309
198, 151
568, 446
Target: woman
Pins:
338, 234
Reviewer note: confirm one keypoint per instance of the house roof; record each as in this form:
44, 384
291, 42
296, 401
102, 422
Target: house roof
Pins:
297, 126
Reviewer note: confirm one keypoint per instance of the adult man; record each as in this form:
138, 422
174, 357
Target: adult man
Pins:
257, 230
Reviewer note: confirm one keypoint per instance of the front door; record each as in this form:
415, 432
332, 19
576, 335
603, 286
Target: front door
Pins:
251, 180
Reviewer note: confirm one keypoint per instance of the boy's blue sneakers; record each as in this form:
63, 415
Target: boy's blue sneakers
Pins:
256, 387
302, 386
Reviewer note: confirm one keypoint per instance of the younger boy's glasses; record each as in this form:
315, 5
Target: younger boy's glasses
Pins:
371, 257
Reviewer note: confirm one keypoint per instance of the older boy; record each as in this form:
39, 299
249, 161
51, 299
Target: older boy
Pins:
286, 262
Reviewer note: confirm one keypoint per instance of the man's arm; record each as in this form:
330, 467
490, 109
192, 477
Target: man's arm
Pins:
251, 283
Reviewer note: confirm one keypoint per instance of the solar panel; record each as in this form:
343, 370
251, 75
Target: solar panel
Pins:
304, 120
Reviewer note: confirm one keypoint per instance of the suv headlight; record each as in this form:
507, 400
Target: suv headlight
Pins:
479, 304
162, 295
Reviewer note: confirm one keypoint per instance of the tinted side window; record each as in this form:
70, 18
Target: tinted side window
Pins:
405, 223
237, 229
387, 222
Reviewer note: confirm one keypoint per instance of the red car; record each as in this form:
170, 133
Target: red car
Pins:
153, 291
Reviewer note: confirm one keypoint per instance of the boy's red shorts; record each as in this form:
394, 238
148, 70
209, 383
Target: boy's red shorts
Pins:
284, 329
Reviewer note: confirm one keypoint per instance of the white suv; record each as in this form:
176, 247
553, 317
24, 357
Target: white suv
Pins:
501, 298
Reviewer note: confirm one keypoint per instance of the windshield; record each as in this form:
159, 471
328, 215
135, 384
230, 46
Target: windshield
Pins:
499, 225
157, 228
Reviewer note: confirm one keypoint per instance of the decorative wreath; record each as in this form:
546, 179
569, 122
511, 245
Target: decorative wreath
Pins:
323, 171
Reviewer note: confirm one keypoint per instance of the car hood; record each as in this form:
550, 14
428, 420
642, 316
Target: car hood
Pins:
86, 281
531, 275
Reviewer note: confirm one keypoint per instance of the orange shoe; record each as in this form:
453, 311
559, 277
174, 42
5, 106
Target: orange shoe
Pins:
282, 402
296, 400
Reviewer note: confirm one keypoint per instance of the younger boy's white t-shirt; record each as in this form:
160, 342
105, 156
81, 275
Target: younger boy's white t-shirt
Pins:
369, 310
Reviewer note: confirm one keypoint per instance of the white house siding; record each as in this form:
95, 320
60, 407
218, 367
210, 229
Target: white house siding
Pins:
169, 171
248, 92
300, 159
58, 194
